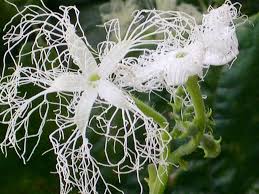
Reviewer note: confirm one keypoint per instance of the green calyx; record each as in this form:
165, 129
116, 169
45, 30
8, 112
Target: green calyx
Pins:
210, 146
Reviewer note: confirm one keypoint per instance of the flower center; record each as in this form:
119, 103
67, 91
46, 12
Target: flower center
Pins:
180, 54
93, 79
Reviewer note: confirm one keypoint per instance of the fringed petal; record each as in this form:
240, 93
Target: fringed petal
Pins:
84, 107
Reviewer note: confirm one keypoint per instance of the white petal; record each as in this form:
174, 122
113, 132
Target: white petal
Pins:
148, 70
81, 55
219, 36
113, 57
221, 46
84, 107
68, 82
223, 15
112, 94
146, 73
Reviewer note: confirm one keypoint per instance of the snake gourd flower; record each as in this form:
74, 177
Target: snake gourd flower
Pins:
176, 58
62, 62
187, 51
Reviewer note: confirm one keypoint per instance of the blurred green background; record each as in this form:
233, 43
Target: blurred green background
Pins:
233, 95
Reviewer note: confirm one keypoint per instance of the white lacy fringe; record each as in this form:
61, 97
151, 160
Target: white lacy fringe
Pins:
64, 63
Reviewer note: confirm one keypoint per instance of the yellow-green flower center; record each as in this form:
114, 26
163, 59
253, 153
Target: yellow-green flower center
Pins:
94, 77
180, 54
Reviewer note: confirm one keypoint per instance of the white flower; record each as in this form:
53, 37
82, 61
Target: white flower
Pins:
64, 63
182, 63
179, 56
186, 51
219, 34
169, 68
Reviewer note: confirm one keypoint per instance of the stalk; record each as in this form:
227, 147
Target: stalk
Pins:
199, 121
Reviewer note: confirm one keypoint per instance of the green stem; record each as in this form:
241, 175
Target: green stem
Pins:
199, 120
194, 90
157, 180
150, 112
158, 183
158, 186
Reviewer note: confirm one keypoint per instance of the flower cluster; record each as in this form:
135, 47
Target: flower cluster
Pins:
84, 90
187, 51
